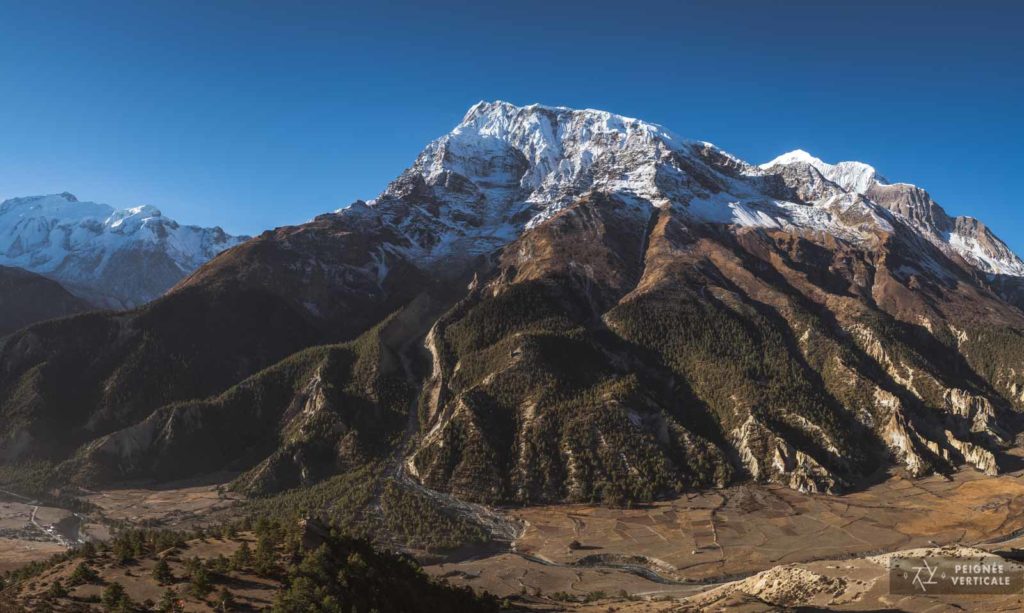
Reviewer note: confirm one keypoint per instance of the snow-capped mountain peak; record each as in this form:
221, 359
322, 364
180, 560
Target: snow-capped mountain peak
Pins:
505, 169
559, 144
794, 157
113, 257
851, 176
963, 236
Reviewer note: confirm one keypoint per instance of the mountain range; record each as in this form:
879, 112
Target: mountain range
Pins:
113, 258
548, 305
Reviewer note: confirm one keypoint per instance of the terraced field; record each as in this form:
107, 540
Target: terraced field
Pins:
689, 545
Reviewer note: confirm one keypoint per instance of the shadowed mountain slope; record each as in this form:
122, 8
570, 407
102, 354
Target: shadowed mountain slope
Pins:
26, 298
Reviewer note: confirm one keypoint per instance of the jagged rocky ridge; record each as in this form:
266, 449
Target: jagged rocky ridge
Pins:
112, 258
960, 236
644, 315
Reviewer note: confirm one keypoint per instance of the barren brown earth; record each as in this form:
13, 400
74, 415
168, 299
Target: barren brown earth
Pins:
651, 557
178, 508
30, 532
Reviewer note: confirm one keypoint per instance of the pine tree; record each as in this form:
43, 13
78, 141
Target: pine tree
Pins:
123, 550
264, 559
200, 584
87, 550
114, 598
242, 557
225, 600
168, 602
57, 589
218, 565
162, 572
82, 574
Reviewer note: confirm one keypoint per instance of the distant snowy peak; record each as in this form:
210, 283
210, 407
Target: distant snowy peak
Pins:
113, 257
851, 176
65, 208
40, 232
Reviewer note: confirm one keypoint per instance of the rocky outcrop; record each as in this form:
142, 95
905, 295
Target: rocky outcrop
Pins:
977, 411
975, 455
780, 586
910, 448
770, 458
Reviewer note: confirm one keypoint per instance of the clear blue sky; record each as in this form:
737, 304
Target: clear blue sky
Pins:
256, 114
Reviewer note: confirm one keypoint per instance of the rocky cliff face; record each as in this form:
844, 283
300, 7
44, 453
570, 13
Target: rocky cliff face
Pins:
615, 313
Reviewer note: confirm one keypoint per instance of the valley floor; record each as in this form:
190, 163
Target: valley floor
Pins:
700, 551
696, 543
30, 530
